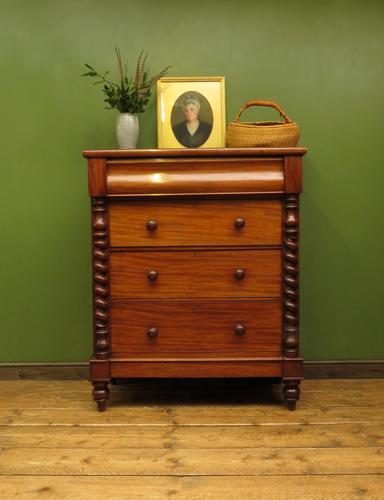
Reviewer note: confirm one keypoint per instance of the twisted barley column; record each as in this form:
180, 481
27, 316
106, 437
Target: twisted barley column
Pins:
100, 293
291, 276
100, 278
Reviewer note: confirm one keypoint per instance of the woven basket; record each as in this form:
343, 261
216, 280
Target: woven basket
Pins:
262, 134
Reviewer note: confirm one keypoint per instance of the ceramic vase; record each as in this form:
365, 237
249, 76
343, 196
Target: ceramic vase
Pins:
127, 130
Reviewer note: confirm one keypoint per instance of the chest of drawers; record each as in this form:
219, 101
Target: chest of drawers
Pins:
195, 265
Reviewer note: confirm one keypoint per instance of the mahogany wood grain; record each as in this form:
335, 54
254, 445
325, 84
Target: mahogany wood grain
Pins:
258, 367
293, 368
293, 174
199, 273
208, 356
209, 175
187, 222
195, 264
196, 327
97, 177
198, 153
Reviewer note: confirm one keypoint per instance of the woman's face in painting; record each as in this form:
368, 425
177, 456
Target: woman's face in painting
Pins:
191, 112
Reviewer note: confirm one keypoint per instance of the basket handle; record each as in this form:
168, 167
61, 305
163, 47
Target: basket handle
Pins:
269, 104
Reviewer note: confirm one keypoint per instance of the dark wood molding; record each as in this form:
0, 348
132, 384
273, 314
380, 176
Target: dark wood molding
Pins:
44, 371
80, 371
185, 152
369, 368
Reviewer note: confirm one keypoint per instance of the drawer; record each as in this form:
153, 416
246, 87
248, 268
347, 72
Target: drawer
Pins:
247, 327
203, 273
175, 176
224, 222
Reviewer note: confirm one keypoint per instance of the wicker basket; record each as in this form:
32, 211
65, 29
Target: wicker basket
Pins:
262, 134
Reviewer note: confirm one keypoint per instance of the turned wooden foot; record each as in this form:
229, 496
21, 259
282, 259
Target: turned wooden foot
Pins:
100, 394
291, 404
291, 393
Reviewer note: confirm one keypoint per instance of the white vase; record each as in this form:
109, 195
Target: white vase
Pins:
127, 130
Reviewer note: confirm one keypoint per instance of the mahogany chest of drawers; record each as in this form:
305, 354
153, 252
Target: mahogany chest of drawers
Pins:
195, 265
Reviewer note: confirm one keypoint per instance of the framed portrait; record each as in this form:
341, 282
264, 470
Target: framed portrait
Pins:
191, 112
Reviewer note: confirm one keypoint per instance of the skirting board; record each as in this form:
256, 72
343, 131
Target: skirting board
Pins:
79, 371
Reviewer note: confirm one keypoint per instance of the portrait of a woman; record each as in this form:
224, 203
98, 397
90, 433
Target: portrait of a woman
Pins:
193, 132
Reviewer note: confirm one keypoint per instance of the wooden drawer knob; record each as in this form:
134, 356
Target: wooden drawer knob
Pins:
151, 225
239, 274
239, 329
239, 223
152, 275
152, 332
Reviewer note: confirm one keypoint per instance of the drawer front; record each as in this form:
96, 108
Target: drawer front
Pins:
175, 176
205, 273
251, 328
165, 223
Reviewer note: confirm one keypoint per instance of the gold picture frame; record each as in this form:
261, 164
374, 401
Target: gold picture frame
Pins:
191, 112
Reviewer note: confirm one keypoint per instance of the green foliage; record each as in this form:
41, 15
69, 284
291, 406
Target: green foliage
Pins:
131, 95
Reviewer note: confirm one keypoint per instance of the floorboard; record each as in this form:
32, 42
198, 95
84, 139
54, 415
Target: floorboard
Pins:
192, 439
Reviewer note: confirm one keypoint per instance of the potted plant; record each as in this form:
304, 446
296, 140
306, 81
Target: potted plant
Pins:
130, 96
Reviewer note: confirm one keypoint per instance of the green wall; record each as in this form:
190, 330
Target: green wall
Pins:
323, 61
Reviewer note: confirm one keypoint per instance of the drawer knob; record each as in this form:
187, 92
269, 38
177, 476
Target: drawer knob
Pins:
239, 223
152, 275
239, 274
152, 332
239, 329
151, 225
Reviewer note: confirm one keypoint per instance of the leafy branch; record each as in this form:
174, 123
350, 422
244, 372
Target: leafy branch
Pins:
130, 95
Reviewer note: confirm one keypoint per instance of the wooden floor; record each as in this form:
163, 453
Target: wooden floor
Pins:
217, 439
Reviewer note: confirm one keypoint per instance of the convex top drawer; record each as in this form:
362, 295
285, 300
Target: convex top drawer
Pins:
172, 223
137, 177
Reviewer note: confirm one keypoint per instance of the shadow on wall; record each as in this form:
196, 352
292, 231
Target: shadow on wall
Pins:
328, 324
